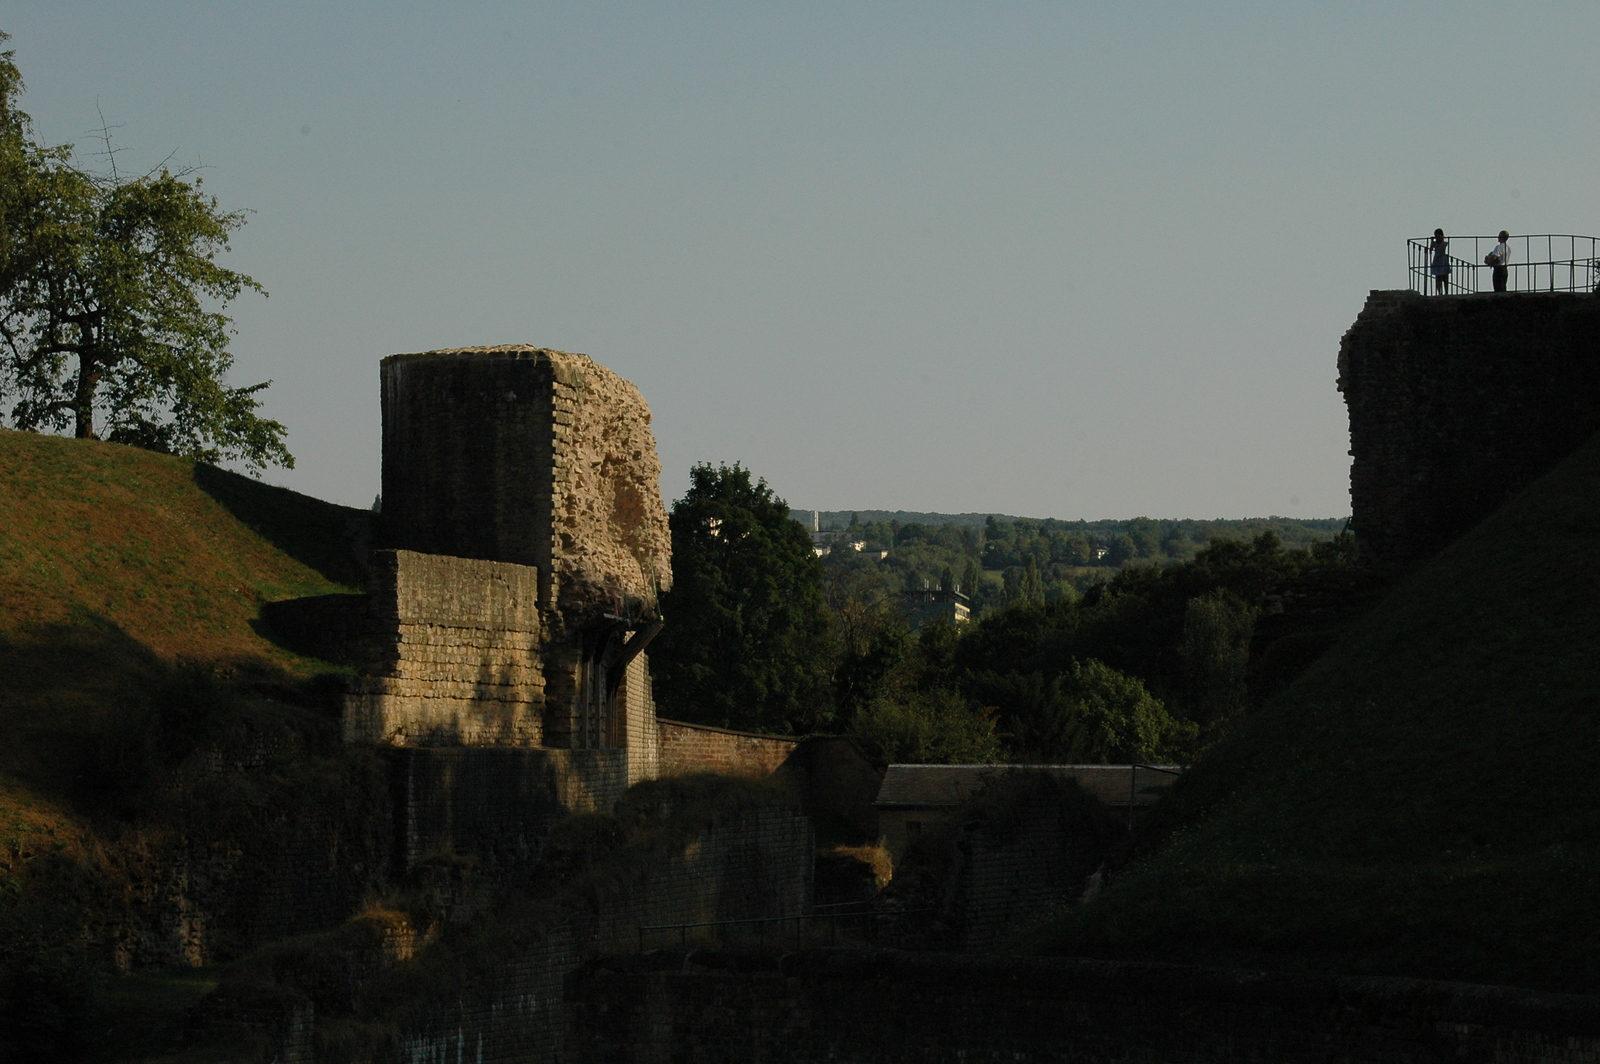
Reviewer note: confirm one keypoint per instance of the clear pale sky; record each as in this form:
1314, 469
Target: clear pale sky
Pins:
1055, 259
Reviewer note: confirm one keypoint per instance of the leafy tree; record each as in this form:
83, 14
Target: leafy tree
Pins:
745, 643
1093, 714
110, 304
936, 727
1145, 535
1215, 649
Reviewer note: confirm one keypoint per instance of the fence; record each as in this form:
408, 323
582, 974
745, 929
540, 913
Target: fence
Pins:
1540, 262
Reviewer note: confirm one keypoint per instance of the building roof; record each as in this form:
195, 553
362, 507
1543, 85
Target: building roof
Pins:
948, 786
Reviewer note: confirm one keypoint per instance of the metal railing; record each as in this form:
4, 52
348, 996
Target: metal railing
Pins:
1540, 262
813, 927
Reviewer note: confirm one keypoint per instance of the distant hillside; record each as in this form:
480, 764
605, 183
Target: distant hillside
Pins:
838, 519
1298, 529
1421, 801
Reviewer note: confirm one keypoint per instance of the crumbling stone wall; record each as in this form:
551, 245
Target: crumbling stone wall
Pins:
757, 865
541, 463
884, 1007
532, 456
1456, 403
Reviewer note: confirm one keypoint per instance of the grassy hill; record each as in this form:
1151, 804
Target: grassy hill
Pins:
1422, 801
130, 594
115, 562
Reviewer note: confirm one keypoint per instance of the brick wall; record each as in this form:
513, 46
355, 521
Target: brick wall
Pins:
451, 655
758, 865
635, 707
840, 782
883, 1007
687, 748
1457, 403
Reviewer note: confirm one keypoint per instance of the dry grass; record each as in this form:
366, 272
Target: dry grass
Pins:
875, 857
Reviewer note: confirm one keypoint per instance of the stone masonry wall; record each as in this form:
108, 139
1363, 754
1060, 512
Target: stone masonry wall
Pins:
451, 655
635, 713
1458, 402
883, 1007
758, 864
687, 748
495, 804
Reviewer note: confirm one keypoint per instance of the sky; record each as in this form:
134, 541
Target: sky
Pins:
1050, 259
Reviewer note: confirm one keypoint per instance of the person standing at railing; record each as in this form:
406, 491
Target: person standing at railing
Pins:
1440, 267
1498, 258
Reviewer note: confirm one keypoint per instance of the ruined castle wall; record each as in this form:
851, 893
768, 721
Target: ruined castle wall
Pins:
758, 864
451, 655
883, 1007
688, 748
1456, 403
468, 454
249, 871
495, 804
526, 455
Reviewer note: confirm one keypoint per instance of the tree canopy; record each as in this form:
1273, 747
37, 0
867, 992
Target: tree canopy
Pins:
111, 303
745, 640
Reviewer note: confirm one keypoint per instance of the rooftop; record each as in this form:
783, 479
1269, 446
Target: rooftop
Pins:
924, 786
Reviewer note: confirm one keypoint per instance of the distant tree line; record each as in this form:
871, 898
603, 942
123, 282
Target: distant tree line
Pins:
1071, 657
1010, 560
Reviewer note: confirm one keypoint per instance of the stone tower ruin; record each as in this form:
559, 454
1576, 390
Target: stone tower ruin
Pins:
523, 547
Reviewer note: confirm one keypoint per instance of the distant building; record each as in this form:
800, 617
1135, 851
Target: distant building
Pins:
928, 605
914, 800
823, 542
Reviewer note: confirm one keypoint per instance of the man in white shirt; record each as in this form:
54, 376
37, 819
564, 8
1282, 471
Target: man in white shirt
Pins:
1498, 259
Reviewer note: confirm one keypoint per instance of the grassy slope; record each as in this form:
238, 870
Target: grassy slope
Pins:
1423, 800
114, 564
114, 561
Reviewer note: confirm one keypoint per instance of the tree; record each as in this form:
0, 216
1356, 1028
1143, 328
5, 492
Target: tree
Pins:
1093, 714
745, 644
1215, 649
110, 304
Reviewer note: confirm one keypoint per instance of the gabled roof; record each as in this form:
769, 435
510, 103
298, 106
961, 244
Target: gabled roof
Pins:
949, 786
